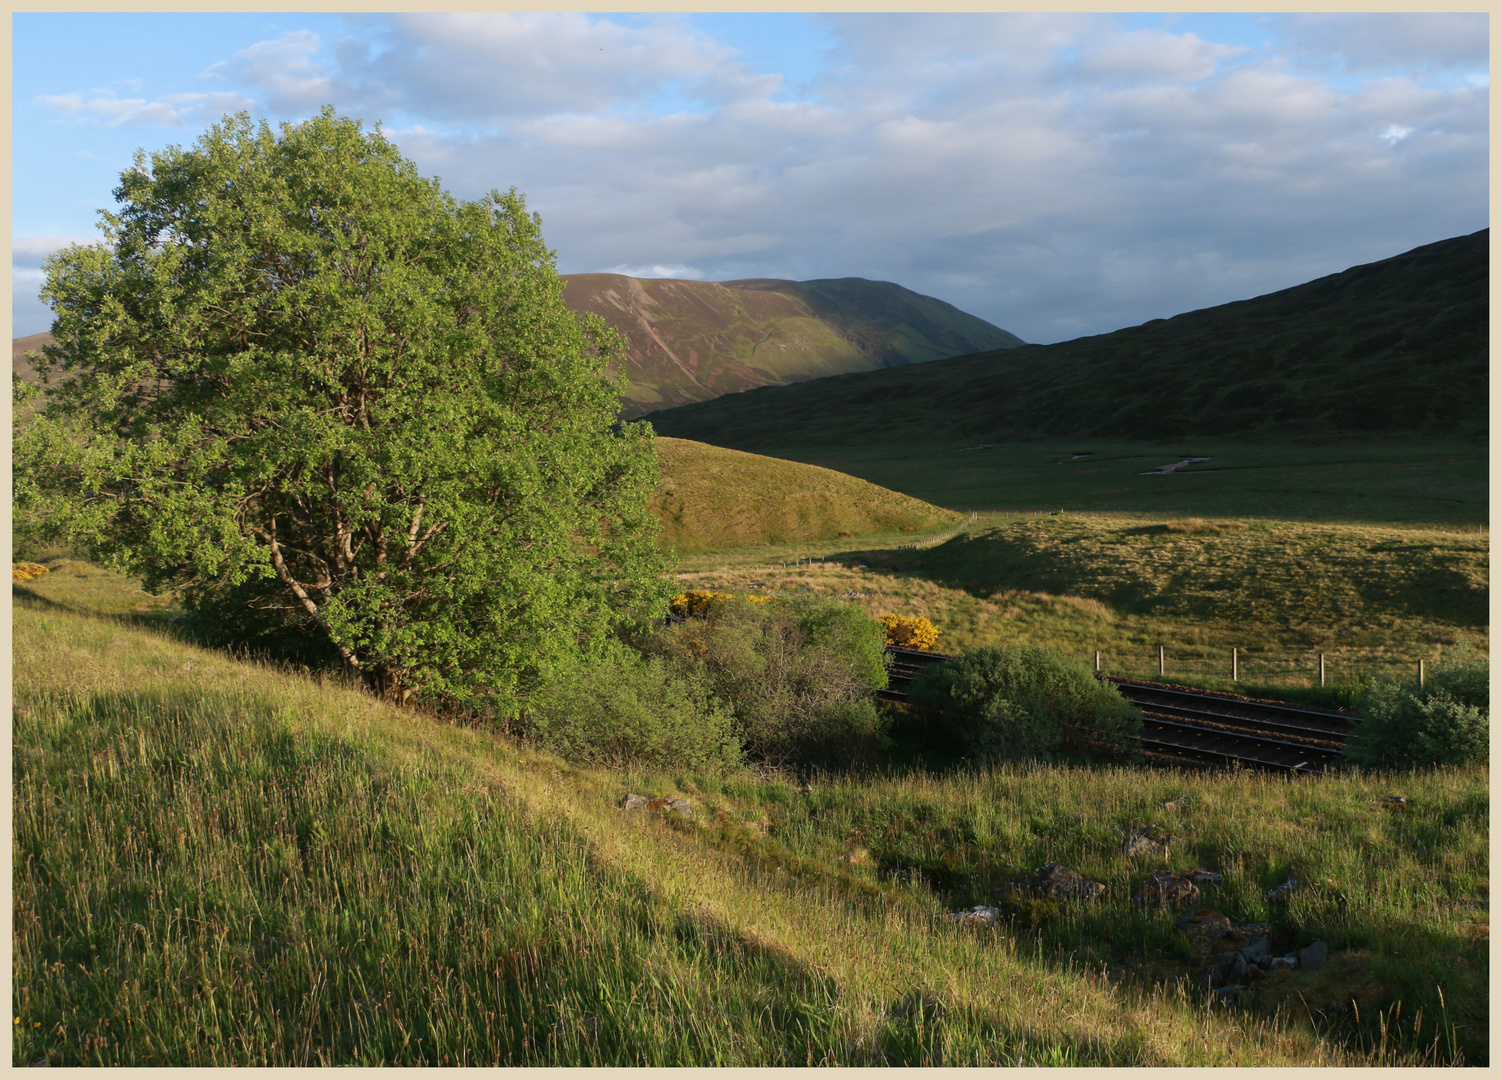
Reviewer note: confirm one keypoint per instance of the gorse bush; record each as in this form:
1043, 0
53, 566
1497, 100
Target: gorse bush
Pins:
798, 674
1444, 722
910, 631
21, 572
628, 710
697, 602
1015, 702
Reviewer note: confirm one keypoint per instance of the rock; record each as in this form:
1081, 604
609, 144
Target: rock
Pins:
1233, 968
980, 915
1312, 957
1253, 940
666, 804
1061, 883
1226, 995
1166, 889
1283, 963
1200, 876
1205, 926
1148, 842
1280, 894
1399, 803
1181, 801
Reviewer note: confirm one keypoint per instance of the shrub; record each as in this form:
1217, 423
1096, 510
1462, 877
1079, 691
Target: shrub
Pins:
25, 571
625, 709
1015, 702
799, 675
697, 602
1445, 722
910, 631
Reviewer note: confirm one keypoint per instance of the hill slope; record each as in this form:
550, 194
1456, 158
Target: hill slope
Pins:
695, 340
1397, 346
716, 498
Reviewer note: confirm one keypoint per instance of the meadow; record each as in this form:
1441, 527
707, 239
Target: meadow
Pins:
219, 861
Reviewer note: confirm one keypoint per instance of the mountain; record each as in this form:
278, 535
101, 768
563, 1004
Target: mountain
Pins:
1391, 347
696, 340
710, 497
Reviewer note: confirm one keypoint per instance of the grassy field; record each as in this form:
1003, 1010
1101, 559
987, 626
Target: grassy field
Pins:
712, 498
1372, 599
1441, 484
217, 862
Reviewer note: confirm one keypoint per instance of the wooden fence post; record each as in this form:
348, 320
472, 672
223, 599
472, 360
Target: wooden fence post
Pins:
1234, 673
1160, 661
1097, 661
1322, 669
1421, 674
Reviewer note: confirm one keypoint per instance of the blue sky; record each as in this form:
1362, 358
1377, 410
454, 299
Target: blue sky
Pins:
1059, 175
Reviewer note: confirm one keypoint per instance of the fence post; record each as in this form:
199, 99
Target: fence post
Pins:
1421, 674
1097, 661
1160, 661
1234, 674
1322, 669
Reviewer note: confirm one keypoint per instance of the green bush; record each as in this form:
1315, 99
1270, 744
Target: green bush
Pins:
628, 710
799, 674
1444, 722
1017, 702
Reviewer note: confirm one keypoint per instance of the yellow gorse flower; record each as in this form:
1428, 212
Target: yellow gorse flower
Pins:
25, 571
697, 602
910, 631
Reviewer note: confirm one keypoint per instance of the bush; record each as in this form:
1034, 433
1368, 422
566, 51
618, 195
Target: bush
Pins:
910, 631
799, 674
629, 710
1018, 702
1405, 726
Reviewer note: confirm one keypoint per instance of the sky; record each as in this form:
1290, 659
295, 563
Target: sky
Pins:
1056, 174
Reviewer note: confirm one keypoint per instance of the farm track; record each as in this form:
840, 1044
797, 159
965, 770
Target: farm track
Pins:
1197, 729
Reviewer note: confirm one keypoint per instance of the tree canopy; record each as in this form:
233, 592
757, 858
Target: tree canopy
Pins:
304, 383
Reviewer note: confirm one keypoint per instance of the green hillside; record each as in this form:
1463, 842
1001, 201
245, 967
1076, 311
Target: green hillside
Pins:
696, 340
222, 863
1393, 347
716, 498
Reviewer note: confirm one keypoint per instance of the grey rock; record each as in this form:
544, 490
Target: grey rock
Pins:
1226, 995
1279, 963
1061, 883
1279, 894
634, 802
980, 915
1165, 889
1181, 801
662, 805
1200, 876
1148, 842
1233, 969
1312, 957
1256, 939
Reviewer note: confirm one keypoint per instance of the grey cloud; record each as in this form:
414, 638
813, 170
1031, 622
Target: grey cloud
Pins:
1376, 41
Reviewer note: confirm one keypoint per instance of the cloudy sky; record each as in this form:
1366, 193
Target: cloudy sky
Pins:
1058, 175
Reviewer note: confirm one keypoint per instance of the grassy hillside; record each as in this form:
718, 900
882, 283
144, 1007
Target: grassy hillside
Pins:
1398, 346
716, 498
1373, 599
1414, 481
695, 340
220, 863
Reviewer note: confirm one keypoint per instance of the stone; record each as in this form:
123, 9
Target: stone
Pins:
666, 804
1166, 889
1175, 804
1226, 995
1225, 968
1399, 803
1061, 883
1283, 963
1200, 876
1205, 926
1279, 894
980, 915
1253, 940
1312, 957
1149, 843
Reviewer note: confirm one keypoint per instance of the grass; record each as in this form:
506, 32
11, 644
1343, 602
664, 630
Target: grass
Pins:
1433, 483
710, 497
1372, 599
1397, 346
220, 862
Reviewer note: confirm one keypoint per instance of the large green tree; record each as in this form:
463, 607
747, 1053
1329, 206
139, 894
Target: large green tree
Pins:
300, 377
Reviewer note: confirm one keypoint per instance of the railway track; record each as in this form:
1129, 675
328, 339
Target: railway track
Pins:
1185, 728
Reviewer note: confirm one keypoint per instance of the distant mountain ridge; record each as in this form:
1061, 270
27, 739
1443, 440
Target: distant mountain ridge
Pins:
1398, 346
696, 340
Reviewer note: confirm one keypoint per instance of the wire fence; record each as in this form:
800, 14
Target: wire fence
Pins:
1334, 667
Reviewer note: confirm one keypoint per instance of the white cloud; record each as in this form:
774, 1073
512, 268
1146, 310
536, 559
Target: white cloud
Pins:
170, 110
674, 270
32, 251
